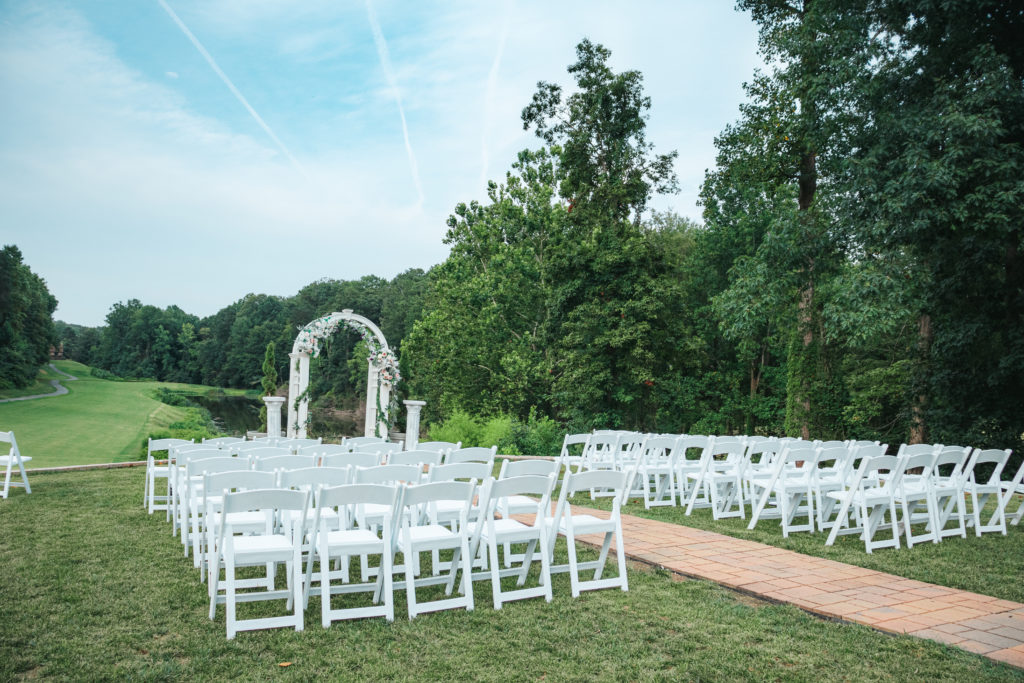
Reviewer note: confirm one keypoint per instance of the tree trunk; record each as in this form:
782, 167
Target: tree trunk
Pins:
918, 431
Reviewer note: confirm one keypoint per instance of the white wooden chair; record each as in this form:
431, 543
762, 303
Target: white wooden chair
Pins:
574, 446
871, 495
720, 478
214, 486
339, 536
521, 504
322, 449
656, 470
151, 501
791, 483
273, 545
420, 534
283, 462
474, 454
496, 528
13, 459
948, 489
354, 442
195, 509
1011, 488
566, 523
914, 491
981, 491
180, 457
691, 449
415, 457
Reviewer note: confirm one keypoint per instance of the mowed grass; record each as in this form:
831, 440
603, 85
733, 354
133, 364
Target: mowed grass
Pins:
99, 421
94, 588
991, 565
41, 385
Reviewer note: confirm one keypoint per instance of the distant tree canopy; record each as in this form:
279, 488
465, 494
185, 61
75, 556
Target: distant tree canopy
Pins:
26, 321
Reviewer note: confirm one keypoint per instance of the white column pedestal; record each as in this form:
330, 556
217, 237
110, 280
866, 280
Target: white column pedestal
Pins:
412, 423
274, 404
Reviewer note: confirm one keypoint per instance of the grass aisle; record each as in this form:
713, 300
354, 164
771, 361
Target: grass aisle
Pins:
95, 588
99, 421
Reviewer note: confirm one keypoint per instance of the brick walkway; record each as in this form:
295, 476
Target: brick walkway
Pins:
978, 623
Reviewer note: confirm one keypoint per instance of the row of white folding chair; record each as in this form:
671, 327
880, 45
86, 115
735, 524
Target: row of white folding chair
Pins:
915, 481
412, 538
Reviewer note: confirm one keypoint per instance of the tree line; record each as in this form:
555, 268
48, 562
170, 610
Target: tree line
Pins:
26, 320
858, 271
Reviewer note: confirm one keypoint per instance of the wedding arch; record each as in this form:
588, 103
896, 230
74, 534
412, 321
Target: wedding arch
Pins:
382, 373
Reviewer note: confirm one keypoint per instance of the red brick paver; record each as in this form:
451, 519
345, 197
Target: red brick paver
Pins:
977, 623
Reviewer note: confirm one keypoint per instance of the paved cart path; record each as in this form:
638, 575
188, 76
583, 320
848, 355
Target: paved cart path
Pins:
59, 389
974, 622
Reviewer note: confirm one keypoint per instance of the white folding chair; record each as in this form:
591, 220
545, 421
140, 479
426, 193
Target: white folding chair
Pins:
981, 491
180, 458
519, 504
474, 454
948, 489
566, 523
913, 491
13, 459
425, 533
195, 471
690, 454
322, 449
871, 495
214, 486
390, 447
273, 546
720, 478
655, 469
495, 528
354, 442
791, 482
570, 456
151, 501
1014, 487
341, 541
440, 446
293, 445
283, 462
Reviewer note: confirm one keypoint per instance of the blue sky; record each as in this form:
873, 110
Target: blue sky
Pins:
189, 152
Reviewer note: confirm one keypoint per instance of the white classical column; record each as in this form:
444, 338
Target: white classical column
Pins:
412, 423
274, 404
298, 382
370, 426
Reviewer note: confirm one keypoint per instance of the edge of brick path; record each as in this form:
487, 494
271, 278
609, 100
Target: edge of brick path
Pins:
973, 622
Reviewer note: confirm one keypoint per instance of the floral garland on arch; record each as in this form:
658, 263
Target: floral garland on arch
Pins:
310, 337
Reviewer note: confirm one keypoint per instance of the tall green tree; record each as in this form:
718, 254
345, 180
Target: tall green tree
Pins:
607, 309
26, 320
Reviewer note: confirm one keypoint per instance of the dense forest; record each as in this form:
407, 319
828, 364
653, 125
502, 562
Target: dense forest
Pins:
858, 272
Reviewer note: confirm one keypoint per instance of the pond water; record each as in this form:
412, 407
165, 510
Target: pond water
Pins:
232, 414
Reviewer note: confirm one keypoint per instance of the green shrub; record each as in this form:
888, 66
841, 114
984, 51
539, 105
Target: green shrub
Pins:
539, 436
100, 373
500, 431
459, 427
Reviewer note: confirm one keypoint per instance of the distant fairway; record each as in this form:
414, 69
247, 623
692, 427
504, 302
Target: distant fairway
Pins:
98, 421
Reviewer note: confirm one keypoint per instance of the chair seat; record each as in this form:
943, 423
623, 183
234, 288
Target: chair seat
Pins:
6, 459
428, 533
586, 524
363, 538
261, 546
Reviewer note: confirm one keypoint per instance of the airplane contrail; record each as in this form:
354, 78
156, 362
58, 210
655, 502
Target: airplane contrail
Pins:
231, 86
389, 74
492, 82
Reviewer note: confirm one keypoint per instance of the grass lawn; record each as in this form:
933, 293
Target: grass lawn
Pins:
95, 588
40, 386
991, 565
98, 421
